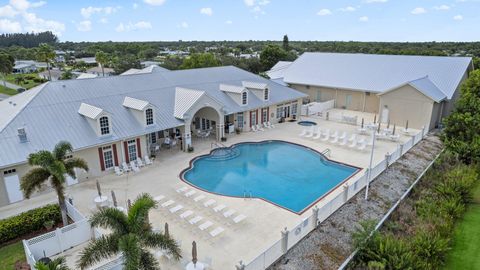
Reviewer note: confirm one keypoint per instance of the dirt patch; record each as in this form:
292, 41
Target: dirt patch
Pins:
330, 244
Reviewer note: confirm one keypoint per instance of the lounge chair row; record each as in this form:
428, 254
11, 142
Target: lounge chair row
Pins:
259, 127
133, 166
336, 138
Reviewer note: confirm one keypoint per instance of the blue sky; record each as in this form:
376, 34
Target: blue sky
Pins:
143, 20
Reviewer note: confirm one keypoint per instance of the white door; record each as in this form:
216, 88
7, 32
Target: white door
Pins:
12, 183
70, 180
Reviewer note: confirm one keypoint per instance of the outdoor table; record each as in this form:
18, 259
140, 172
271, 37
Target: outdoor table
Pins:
101, 201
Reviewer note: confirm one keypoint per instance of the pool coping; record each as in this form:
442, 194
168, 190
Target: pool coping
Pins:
190, 166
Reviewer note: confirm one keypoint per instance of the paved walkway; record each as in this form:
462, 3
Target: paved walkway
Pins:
10, 85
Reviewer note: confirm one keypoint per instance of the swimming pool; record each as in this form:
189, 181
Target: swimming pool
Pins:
286, 174
307, 123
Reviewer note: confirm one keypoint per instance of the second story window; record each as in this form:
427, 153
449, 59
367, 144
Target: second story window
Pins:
149, 117
104, 125
265, 94
244, 98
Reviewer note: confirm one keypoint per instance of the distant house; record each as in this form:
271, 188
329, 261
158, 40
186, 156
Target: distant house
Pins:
22, 67
86, 76
148, 69
59, 56
54, 73
87, 60
149, 63
98, 71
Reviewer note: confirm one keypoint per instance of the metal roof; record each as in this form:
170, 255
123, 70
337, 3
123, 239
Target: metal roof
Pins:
148, 69
428, 88
89, 111
278, 70
51, 113
376, 73
232, 88
86, 76
134, 103
184, 100
255, 85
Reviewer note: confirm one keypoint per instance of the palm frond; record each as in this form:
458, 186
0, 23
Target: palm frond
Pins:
33, 179
41, 158
159, 240
148, 261
98, 250
138, 212
110, 218
61, 149
73, 163
132, 252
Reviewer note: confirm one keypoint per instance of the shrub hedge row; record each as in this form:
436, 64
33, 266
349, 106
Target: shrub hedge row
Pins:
28, 222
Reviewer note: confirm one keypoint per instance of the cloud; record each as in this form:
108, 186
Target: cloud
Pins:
8, 11
363, 19
324, 12
89, 11
141, 25
458, 17
441, 7
183, 25
104, 20
418, 11
348, 9
154, 2
249, 3
135, 5
206, 11
228, 22
84, 26
375, 1
36, 24
8, 26
263, 2
38, 4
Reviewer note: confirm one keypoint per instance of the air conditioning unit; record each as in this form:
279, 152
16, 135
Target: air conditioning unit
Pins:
22, 135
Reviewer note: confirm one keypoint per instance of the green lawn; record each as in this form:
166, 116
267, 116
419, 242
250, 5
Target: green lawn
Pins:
7, 91
465, 253
10, 254
27, 84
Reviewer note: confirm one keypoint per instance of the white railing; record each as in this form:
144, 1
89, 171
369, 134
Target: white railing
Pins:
343, 194
315, 108
73, 213
115, 264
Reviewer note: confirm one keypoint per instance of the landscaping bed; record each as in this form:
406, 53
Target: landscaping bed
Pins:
26, 81
10, 254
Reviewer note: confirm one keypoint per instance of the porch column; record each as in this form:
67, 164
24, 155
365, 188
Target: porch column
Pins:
220, 126
187, 135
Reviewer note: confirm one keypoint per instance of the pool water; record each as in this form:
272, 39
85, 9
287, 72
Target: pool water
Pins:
288, 175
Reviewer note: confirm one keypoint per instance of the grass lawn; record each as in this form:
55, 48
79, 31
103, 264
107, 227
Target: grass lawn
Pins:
27, 84
465, 253
7, 91
10, 254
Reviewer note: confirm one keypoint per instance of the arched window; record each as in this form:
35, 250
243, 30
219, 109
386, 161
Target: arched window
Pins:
149, 116
244, 98
104, 125
265, 94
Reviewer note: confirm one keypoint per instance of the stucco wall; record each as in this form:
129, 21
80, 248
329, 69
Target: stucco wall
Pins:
407, 103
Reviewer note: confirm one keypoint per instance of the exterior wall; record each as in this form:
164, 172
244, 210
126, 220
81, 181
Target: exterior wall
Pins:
436, 115
406, 103
21, 170
449, 105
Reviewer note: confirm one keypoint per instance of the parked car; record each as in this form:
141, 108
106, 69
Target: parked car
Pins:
21, 90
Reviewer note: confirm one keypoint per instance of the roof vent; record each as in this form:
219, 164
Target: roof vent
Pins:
22, 135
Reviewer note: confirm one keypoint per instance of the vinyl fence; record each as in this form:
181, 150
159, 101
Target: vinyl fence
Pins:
316, 108
291, 237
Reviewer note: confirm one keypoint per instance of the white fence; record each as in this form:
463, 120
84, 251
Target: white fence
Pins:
59, 240
342, 195
315, 108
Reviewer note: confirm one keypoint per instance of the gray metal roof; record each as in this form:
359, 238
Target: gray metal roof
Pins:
428, 88
278, 70
376, 73
184, 100
51, 114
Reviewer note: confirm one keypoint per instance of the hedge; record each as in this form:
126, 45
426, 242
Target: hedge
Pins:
28, 222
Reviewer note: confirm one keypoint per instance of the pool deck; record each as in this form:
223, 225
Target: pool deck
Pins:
243, 241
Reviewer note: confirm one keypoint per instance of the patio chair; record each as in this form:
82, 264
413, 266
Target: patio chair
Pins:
319, 134
140, 162
182, 189
259, 127
148, 161
167, 142
334, 140
353, 144
186, 214
205, 225
239, 218
209, 203
335, 134
304, 132
118, 171
229, 213
195, 220
253, 128
190, 193
176, 208
125, 167
167, 203
343, 136
266, 126
158, 198
326, 136
361, 141
270, 124
216, 231
362, 146
309, 132
352, 138
199, 198
343, 142
394, 138
219, 207
134, 167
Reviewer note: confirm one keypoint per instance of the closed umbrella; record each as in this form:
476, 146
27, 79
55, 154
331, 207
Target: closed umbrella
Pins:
378, 129
375, 119
166, 230
114, 199
98, 189
194, 253
393, 133
363, 120
388, 124
406, 125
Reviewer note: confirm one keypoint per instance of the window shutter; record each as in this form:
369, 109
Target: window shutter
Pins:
139, 148
125, 145
268, 114
250, 118
256, 117
102, 162
115, 156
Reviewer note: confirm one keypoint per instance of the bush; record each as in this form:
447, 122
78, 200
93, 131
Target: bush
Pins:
429, 249
28, 222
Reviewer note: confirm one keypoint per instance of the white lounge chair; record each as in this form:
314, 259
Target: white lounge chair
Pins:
239, 218
125, 167
352, 138
326, 135
394, 137
167, 203
270, 124
334, 140
254, 129
353, 144
343, 136
190, 193
205, 225
343, 142
361, 141
186, 214
209, 203
118, 171
334, 134
134, 167
217, 231
182, 189
311, 132
176, 208
362, 146
304, 132
266, 126
199, 198
148, 161
140, 163
318, 135
158, 198
259, 127
195, 220
229, 213
219, 207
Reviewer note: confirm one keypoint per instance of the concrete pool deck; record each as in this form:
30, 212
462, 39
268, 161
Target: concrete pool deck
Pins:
243, 241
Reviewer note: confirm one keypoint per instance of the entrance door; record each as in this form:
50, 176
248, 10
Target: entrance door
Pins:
348, 101
253, 118
240, 120
12, 183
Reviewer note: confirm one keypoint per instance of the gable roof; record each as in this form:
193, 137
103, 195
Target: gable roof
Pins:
232, 88
278, 70
376, 73
89, 111
135, 104
184, 100
428, 88
254, 85
148, 69
51, 113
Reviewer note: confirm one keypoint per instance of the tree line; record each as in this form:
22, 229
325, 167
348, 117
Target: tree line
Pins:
27, 40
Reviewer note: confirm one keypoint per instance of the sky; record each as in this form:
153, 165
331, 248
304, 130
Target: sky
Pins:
171, 20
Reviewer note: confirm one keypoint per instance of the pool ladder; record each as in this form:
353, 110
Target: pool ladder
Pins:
327, 152
247, 195
217, 145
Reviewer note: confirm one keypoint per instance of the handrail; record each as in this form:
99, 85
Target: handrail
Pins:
217, 144
327, 152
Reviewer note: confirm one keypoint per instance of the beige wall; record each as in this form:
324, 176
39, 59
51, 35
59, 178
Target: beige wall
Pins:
407, 103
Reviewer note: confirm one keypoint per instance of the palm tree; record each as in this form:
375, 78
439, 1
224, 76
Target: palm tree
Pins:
57, 264
102, 59
6, 66
52, 166
45, 53
131, 235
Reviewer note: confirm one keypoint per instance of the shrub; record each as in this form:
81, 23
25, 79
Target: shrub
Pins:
429, 249
28, 222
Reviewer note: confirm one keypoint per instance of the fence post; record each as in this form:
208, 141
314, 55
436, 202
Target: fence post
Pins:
58, 234
315, 216
285, 240
345, 192
240, 266
387, 158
